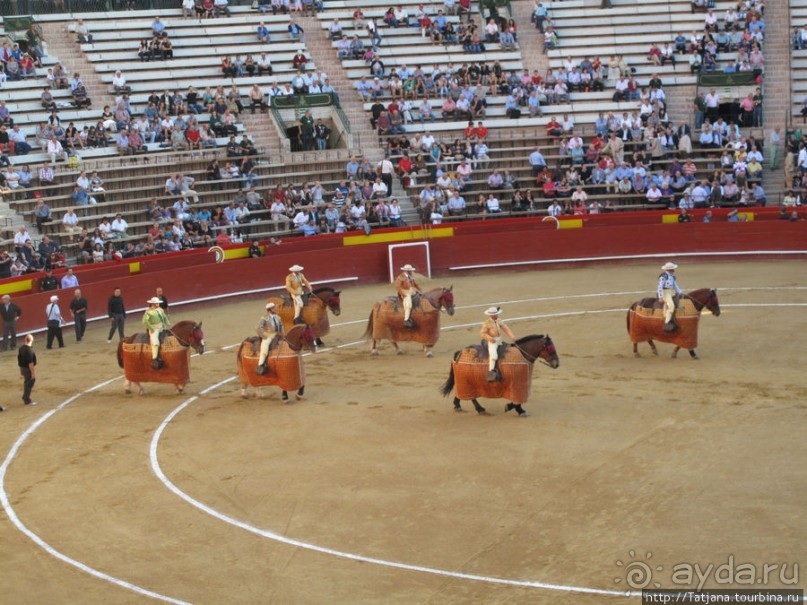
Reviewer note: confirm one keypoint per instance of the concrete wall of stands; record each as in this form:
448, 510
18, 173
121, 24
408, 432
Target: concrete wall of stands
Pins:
194, 276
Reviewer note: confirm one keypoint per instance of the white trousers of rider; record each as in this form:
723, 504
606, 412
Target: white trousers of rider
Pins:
154, 337
298, 305
493, 353
669, 304
265, 342
406, 297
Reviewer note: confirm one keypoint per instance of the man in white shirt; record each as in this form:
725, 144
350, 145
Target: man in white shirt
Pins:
55, 149
119, 226
70, 221
712, 101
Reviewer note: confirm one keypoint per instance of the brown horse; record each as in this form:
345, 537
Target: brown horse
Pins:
646, 320
387, 319
134, 356
315, 310
285, 365
470, 367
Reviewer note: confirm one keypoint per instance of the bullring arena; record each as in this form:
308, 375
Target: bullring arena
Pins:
625, 475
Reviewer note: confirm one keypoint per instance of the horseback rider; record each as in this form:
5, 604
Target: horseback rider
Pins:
406, 287
269, 329
667, 289
296, 284
492, 330
155, 320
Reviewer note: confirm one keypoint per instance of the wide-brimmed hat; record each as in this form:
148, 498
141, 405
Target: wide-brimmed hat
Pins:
295, 268
154, 301
270, 305
669, 267
494, 311
408, 267
54, 298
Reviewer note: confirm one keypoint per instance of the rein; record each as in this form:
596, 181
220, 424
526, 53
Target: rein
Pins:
182, 342
534, 357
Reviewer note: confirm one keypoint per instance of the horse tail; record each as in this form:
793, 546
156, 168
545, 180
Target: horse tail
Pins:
120, 354
449, 384
630, 310
238, 353
368, 333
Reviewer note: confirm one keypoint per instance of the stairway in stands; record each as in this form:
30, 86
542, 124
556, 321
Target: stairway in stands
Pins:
63, 46
366, 141
776, 91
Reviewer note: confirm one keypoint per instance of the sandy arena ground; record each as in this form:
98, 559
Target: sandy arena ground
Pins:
690, 461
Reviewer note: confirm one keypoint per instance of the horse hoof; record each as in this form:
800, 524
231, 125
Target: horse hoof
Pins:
398, 352
429, 354
637, 355
483, 413
374, 352
459, 410
127, 391
523, 415
655, 352
695, 358
244, 396
298, 397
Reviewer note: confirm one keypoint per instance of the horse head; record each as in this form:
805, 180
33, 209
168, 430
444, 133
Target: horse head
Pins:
446, 300
538, 346
713, 304
301, 335
334, 304
197, 338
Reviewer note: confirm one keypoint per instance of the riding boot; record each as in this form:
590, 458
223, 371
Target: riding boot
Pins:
670, 326
298, 320
409, 323
156, 362
494, 375
261, 369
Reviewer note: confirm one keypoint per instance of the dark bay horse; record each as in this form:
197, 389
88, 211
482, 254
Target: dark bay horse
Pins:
470, 365
387, 320
134, 356
646, 319
285, 366
315, 310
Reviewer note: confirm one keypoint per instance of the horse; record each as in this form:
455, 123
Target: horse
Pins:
645, 321
387, 320
469, 370
134, 356
284, 362
315, 310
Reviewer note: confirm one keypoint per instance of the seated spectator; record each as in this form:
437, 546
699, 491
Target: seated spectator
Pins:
82, 31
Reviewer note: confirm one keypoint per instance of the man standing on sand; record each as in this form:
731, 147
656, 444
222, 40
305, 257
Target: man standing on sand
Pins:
26, 360
117, 313
10, 314
78, 309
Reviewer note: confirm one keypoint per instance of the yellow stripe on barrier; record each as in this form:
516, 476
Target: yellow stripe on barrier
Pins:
570, 223
23, 285
134, 267
397, 236
669, 218
236, 253
746, 216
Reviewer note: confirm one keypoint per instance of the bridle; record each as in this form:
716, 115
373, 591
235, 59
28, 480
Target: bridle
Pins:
548, 347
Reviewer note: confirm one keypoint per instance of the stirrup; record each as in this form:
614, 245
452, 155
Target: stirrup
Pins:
670, 326
298, 320
261, 369
157, 364
409, 323
493, 376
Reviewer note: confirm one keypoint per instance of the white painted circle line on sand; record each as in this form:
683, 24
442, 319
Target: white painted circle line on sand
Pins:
12, 514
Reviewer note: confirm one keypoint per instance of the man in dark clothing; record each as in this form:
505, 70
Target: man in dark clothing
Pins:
5, 264
26, 359
163, 300
78, 309
10, 313
48, 282
117, 313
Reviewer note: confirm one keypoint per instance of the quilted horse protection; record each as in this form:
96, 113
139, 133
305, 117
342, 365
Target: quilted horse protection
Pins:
286, 369
647, 324
471, 368
137, 360
388, 321
314, 314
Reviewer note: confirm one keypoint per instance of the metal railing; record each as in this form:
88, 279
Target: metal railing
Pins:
52, 7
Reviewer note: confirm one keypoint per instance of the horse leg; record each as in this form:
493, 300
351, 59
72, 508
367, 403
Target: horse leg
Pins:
140, 389
180, 388
300, 392
675, 352
427, 349
521, 413
398, 350
373, 348
653, 347
457, 405
285, 397
319, 342
636, 349
479, 409
693, 354
127, 387
244, 391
